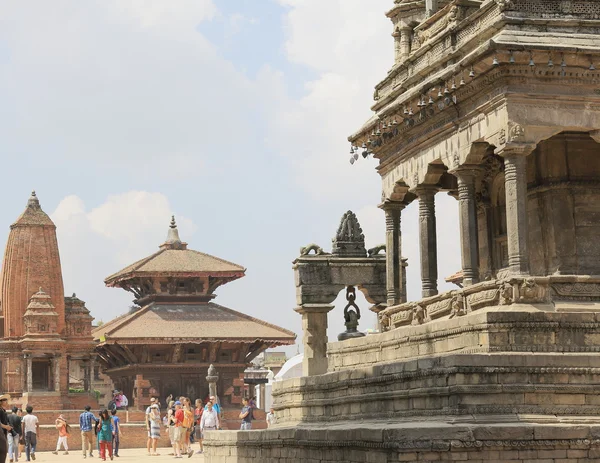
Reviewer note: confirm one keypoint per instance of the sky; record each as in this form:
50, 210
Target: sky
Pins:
233, 115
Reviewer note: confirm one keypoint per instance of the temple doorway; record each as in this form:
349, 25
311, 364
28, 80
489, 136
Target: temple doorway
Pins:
41, 375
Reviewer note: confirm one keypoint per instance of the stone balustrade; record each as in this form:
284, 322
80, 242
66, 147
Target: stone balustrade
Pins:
546, 293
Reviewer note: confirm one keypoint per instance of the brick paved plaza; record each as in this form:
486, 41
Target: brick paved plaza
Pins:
126, 455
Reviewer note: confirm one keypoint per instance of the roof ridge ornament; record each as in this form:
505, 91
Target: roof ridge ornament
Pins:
173, 241
349, 240
33, 201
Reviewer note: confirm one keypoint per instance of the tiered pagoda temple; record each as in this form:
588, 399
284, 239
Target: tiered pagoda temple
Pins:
166, 343
42, 331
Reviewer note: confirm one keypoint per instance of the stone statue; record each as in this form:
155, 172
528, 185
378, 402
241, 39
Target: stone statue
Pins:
305, 251
375, 251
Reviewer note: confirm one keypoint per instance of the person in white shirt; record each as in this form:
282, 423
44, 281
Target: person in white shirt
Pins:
271, 418
31, 427
209, 420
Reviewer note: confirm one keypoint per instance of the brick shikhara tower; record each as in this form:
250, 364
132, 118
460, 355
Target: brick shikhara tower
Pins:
41, 331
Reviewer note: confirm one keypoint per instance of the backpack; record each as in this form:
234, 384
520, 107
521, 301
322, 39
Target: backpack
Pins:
188, 419
112, 405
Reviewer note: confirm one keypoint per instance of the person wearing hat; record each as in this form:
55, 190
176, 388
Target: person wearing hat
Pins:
155, 424
6, 428
63, 434
153, 401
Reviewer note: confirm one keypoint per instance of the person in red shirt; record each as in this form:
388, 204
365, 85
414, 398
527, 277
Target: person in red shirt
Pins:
179, 433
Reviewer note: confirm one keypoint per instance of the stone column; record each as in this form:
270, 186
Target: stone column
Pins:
468, 224
428, 239
393, 253
56, 365
515, 166
92, 365
431, 7
29, 385
314, 327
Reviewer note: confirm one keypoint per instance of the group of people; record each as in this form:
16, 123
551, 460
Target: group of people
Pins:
19, 432
107, 428
185, 425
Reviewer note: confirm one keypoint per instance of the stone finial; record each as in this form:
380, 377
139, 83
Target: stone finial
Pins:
349, 240
173, 235
33, 201
173, 241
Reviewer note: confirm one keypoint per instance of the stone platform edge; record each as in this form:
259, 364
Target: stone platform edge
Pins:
375, 442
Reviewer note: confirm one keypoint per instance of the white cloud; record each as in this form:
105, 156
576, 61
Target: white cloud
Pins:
128, 83
347, 43
99, 242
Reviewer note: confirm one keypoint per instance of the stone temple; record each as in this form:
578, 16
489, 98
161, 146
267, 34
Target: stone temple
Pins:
497, 103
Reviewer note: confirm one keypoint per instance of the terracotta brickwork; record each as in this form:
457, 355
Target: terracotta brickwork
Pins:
42, 330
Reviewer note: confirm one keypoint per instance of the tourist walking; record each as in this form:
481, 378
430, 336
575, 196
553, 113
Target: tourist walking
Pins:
178, 431
155, 424
31, 426
86, 427
209, 420
117, 434
64, 430
197, 430
188, 424
246, 415
6, 427
105, 434
170, 423
14, 436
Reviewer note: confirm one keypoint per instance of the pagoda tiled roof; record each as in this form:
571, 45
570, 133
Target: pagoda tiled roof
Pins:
176, 261
193, 322
174, 258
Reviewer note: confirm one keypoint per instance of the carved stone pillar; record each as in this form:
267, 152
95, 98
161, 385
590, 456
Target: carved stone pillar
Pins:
92, 366
393, 234
29, 382
404, 51
314, 328
56, 367
428, 239
515, 174
468, 224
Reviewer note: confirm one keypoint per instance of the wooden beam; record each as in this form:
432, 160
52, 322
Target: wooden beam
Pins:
126, 353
